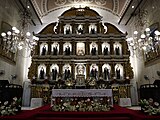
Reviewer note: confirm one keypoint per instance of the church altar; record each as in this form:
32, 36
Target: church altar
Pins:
88, 93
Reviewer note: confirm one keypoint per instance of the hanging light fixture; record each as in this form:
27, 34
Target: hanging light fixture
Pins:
19, 39
147, 41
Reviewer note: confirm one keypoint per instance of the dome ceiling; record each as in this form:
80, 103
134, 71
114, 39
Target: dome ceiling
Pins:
44, 7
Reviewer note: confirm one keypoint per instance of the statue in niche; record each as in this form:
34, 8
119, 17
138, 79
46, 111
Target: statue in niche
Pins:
80, 70
41, 75
66, 73
80, 29
80, 52
117, 50
67, 50
105, 50
67, 30
93, 30
94, 72
54, 73
118, 75
93, 51
43, 50
106, 73
55, 49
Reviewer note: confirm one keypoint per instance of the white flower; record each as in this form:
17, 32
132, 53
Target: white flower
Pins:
2, 112
5, 103
88, 99
15, 98
2, 107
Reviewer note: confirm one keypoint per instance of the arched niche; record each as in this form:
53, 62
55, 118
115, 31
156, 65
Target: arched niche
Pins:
43, 49
94, 71
66, 71
67, 29
80, 48
119, 71
80, 69
54, 70
106, 66
55, 48
80, 29
54, 66
93, 48
106, 71
92, 28
117, 48
106, 48
67, 48
41, 71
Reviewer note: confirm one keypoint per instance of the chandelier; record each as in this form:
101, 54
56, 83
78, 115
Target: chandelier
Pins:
146, 42
20, 39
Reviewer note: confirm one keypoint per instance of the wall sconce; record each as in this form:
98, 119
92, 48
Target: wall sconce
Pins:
2, 72
13, 77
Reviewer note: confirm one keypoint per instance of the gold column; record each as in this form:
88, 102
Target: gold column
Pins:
100, 69
112, 70
73, 70
60, 68
49, 47
61, 47
61, 28
86, 27
111, 48
73, 28
73, 48
99, 48
48, 70
98, 27
87, 70
87, 48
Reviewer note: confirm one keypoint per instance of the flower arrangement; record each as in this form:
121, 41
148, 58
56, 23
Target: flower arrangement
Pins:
10, 108
81, 104
150, 106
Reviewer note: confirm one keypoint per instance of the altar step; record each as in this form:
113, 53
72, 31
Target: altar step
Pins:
82, 116
62, 118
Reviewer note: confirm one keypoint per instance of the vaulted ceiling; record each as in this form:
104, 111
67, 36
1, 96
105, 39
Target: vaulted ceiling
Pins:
43, 7
120, 8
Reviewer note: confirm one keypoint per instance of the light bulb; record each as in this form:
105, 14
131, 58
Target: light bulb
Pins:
135, 32
143, 36
28, 34
147, 29
17, 31
14, 28
9, 33
3, 34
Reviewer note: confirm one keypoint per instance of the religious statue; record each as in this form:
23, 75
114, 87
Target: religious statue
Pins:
106, 73
67, 50
105, 50
118, 75
66, 73
67, 30
55, 49
117, 51
92, 30
94, 72
54, 73
41, 75
80, 70
43, 50
93, 51
80, 29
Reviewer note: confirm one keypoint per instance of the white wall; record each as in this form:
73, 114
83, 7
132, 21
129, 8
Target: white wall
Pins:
9, 13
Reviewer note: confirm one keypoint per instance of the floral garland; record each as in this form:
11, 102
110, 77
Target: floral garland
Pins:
10, 108
81, 104
150, 106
